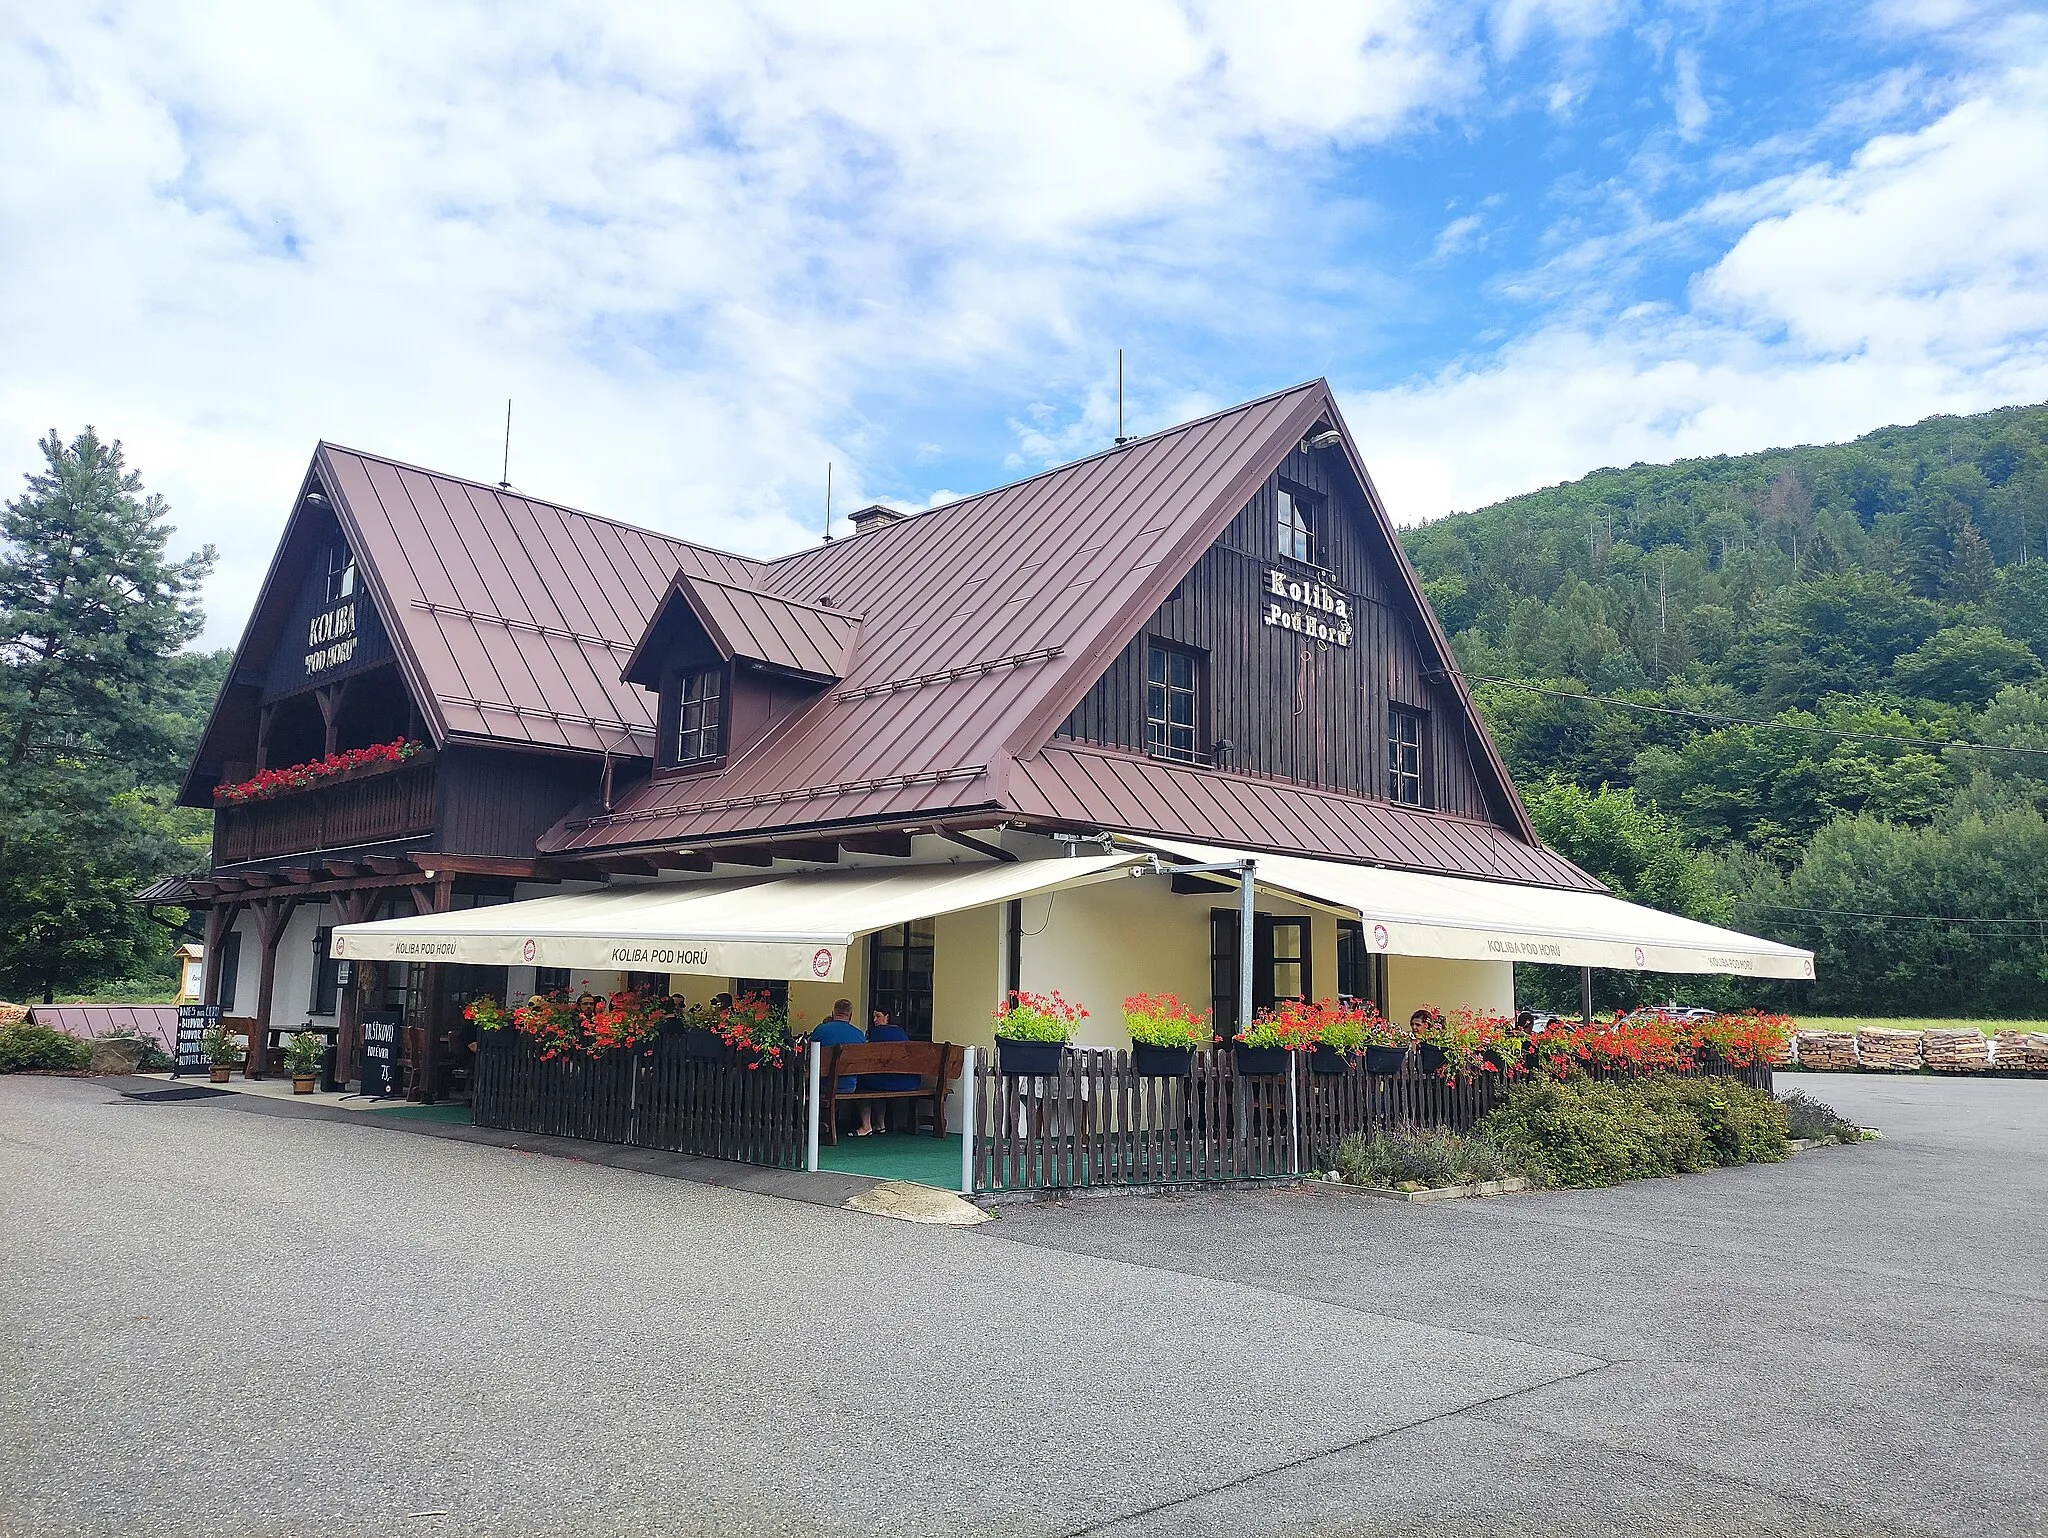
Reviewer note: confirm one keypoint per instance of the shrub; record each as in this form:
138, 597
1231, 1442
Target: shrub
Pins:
1808, 1119
24, 1047
1426, 1155
1600, 1132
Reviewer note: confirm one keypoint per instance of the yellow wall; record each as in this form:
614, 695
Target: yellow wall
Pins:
1419, 982
967, 976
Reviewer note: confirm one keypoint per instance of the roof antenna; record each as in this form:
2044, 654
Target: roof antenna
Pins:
505, 470
828, 501
1120, 438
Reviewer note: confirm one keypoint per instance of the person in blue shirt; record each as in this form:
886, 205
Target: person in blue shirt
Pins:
879, 1029
839, 1030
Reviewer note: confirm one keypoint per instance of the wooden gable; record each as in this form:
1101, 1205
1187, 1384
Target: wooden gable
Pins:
1303, 662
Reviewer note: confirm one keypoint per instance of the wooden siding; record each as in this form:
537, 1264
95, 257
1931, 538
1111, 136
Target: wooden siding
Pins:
496, 801
1295, 708
376, 808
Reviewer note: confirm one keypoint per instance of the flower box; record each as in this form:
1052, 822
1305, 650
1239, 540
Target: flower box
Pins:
1153, 1062
1260, 1062
1028, 1059
1329, 1062
1385, 1061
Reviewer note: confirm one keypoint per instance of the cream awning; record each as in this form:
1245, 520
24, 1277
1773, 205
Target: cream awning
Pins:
1408, 913
788, 926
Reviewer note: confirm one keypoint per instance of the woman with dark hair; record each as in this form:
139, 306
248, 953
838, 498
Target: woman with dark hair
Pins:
879, 1029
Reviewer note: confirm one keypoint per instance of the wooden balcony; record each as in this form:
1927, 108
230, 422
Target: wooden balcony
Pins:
371, 809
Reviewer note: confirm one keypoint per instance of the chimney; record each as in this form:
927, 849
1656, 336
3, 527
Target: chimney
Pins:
874, 516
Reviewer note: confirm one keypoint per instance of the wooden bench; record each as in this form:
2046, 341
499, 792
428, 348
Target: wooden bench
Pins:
936, 1064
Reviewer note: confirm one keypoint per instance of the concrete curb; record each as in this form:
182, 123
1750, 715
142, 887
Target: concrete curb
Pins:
1506, 1187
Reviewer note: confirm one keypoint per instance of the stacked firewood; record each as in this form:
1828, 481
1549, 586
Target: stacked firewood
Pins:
1778, 1053
1827, 1051
2026, 1051
1880, 1049
1957, 1051
12, 1014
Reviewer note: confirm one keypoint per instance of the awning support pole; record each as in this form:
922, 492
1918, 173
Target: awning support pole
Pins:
1247, 922
811, 1153
970, 1120
1586, 994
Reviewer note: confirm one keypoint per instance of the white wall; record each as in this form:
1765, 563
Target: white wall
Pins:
1429, 982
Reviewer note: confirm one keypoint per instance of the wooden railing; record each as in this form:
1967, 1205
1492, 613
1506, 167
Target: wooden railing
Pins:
1099, 1123
658, 1098
397, 803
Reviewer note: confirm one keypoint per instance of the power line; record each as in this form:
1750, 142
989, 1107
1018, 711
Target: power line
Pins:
1915, 918
1778, 726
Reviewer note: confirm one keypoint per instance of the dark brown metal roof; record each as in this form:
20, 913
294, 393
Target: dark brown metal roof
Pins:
782, 632
513, 615
159, 1022
986, 621
1110, 788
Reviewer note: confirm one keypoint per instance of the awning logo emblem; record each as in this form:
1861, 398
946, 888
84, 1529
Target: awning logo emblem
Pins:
1639, 955
528, 951
1380, 937
821, 963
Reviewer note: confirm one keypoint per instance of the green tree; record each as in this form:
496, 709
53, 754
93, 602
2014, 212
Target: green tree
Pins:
1965, 665
1640, 853
97, 713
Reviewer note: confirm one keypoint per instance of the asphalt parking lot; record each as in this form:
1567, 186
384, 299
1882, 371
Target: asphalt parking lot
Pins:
223, 1323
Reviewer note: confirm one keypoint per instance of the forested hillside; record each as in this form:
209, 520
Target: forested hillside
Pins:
1879, 609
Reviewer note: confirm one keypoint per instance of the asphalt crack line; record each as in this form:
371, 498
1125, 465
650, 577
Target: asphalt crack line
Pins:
1791, 1497
1108, 1523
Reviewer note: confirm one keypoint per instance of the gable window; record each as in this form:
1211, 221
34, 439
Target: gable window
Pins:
341, 573
1404, 756
700, 716
1173, 702
1297, 522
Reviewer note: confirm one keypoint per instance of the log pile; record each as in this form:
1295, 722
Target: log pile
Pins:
1827, 1051
2024, 1051
1957, 1052
12, 1014
1880, 1049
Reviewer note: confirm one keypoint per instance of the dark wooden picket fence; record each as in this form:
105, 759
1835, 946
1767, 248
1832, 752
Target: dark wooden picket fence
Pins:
654, 1099
1099, 1123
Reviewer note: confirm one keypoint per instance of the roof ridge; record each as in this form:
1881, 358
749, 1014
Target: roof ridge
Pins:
1064, 466
561, 507
769, 593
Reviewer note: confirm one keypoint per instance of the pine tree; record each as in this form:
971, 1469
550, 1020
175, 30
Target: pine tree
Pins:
92, 698
1972, 570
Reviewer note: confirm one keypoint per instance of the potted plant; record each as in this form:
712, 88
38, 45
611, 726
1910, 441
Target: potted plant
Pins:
1345, 1031
1386, 1046
223, 1051
1032, 1030
302, 1056
757, 1030
1261, 1047
1165, 1035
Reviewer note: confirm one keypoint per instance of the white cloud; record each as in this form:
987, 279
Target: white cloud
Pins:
1911, 281
695, 244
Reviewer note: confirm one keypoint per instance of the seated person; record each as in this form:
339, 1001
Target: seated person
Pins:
879, 1029
838, 1029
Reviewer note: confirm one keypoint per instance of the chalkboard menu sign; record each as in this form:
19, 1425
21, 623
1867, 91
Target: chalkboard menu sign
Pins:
380, 1055
194, 1021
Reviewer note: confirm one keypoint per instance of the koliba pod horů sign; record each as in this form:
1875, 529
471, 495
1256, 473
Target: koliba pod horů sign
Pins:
1307, 607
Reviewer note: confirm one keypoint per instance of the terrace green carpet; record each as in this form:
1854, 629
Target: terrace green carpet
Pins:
929, 1161
457, 1114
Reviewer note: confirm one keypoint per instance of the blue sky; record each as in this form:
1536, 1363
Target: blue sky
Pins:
708, 249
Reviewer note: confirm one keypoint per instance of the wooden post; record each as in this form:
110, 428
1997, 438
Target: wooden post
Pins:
350, 908
437, 896
273, 915
1586, 994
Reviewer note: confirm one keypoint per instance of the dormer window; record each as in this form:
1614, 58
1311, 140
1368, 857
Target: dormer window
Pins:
1297, 522
341, 573
700, 716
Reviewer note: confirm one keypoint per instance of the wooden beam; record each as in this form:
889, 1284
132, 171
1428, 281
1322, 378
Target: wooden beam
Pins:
819, 851
518, 869
743, 854
668, 859
273, 915
627, 865
297, 875
204, 890
897, 844
344, 870
259, 879
388, 865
